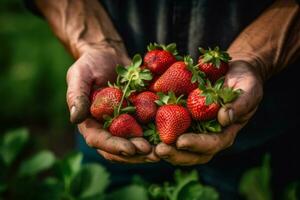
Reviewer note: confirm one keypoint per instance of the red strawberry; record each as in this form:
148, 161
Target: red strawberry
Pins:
196, 104
171, 122
132, 97
93, 94
151, 84
160, 57
214, 63
125, 126
145, 106
105, 101
178, 78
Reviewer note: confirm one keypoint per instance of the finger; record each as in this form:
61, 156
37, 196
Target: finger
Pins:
142, 146
96, 137
180, 157
79, 80
208, 143
151, 157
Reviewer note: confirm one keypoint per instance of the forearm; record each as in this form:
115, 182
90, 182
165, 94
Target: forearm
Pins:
272, 41
80, 24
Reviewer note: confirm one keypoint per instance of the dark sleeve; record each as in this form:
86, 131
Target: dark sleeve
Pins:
31, 6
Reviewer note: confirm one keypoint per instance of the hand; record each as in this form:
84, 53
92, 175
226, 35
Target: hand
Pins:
192, 148
95, 67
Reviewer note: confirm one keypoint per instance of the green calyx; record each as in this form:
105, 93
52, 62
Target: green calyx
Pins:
170, 98
211, 126
218, 94
151, 134
133, 75
170, 47
215, 56
197, 74
131, 78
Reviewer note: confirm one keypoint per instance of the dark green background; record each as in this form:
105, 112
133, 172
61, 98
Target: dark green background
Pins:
33, 65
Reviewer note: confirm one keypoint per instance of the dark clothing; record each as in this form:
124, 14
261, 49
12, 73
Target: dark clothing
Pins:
206, 23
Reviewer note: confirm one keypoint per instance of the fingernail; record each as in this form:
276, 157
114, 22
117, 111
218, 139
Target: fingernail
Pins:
124, 153
231, 115
72, 111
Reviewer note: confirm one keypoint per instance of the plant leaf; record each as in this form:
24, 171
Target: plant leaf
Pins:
137, 60
91, 180
37, 163
255, 183
194, 191
12, 143
69, 167
131, 192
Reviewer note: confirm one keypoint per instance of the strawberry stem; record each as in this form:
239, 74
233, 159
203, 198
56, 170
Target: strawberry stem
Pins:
124, 93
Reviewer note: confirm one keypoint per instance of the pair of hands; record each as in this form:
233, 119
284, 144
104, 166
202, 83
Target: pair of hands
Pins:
97, 65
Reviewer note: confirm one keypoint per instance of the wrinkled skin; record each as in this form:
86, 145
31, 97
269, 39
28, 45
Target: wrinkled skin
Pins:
194, 148
97, 66
94, 68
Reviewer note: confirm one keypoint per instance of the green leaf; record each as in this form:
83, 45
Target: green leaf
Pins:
212, 126
3, 187
194, 191
69, 167
151, 134
208, 99
91, 180
219, 83
37, 163
131, 192
255, 183
146, 75
49, 189
121, 70
228, 94
172, 48
137, 61
292, 191
12, 143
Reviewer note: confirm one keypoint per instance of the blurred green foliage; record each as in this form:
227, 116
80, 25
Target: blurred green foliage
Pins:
33, 65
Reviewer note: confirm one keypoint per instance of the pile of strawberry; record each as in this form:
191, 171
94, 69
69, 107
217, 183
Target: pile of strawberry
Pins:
164, 95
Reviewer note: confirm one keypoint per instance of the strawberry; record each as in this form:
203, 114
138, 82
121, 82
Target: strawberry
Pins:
181, 78
160, 57
145, 106
151, 84
132, 97
172, 119
105, 101
198, 108
94, 93
125, 126
214, 63
204, 103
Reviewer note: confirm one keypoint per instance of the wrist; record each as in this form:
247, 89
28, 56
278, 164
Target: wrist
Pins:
115, 47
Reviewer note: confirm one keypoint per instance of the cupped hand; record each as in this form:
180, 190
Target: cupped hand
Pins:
193, 148
95, 67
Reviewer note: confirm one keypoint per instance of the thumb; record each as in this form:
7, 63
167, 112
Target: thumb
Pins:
240, 110
79, 80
